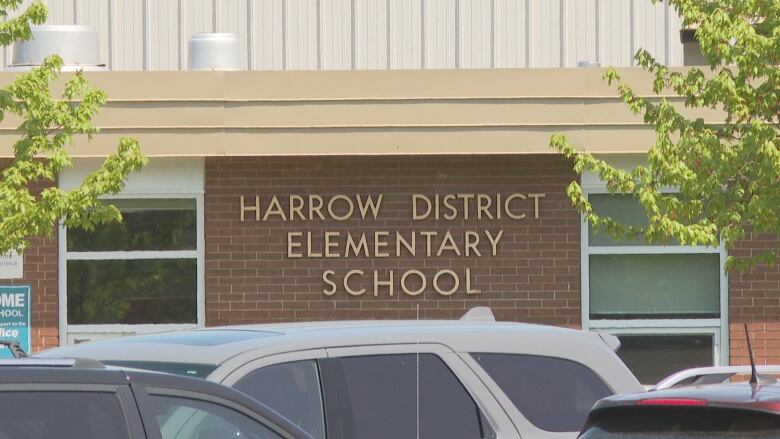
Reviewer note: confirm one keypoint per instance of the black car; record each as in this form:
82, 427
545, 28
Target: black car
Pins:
734, 410
71, 399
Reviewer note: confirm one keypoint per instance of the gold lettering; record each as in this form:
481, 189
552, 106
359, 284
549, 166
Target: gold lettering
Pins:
468, 284
450, 207
255, 208
415, 215
369, 203
448, 243
465, 198
455, 278
309, 252
472, 241
483, 206
428, 236
326, 275
332, 213
315, 208
296, 207
329, 244
361, 244
350, 291
399, 239
378, 283
274, 208
418, 291
494, 241
291, 245
380, 244
509, 212
536, 203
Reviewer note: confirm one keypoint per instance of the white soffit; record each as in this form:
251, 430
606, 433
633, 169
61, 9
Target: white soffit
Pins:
162, 175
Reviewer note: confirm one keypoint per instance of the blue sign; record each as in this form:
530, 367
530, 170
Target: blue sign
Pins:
15, 317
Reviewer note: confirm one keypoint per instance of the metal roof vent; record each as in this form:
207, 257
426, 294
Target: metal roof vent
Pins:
588, 63
214, 51
77, 46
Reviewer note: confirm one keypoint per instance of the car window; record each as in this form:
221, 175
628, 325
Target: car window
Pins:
293, 390
185, 418
681, 423
554, 394
61, 415
383, 392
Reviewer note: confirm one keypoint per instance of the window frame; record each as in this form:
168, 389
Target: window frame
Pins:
66, 329
718, 327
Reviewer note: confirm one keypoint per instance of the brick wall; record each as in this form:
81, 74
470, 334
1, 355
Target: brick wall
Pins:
40, 273
533, 277
754, 298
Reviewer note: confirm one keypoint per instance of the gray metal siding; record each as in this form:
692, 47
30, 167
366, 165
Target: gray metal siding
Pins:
380, 34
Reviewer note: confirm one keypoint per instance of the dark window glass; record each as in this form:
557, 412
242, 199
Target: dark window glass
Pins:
553, 393
147, 224
293, 390
61, 415
132, 291
684, 423
184, 369
382, 391
653, 357
184, 418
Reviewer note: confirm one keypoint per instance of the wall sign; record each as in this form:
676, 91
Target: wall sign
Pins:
11, 265
454, 240
15, 317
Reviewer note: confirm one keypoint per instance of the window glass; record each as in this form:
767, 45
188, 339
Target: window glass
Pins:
653, 357
684, 423
625, 286
293, 390
132, 291
147, 224
61, 415
382, 391
184, 418
624, 209
554, 394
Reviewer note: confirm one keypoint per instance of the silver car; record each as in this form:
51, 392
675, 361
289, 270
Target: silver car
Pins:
466, 379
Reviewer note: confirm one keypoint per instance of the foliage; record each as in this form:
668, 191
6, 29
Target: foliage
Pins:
727, 174
48, 127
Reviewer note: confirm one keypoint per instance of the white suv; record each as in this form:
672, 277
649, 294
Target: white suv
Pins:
462, 379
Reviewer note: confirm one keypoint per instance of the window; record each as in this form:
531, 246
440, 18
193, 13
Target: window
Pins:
61, 415
382, 394
554, 394
655, 298
143, 270
185, 418
293, 390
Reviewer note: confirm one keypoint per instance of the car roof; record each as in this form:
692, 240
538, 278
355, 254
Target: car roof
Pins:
216, 345
28, 372
732, 395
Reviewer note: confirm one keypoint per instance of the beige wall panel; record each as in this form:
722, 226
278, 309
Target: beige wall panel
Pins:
511, 34
476, 33
371, 38
405, 34
301, 34
336, 36
268, 34
440, 34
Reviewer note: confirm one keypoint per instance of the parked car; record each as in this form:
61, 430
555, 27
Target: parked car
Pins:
392, 379
680, 411
68, 399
